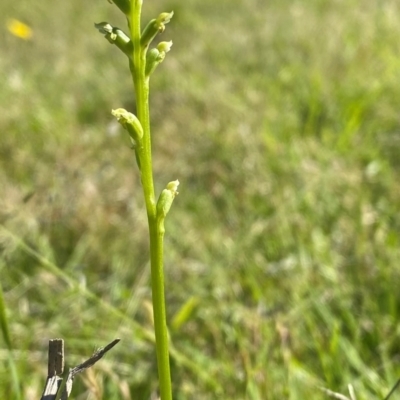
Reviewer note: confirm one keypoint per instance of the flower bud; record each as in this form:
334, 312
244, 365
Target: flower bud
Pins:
156, 56
153, 58
154, 27
129, 122
164, 47
116, 36
166, 198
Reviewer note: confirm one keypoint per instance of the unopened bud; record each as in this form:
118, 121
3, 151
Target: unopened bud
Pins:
164, 47
156, 56
166, 198
130, 122
154, 27
116, 36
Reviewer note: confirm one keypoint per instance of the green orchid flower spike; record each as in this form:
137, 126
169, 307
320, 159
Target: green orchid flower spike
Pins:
142, 63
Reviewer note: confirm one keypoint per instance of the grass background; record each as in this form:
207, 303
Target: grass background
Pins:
281, 121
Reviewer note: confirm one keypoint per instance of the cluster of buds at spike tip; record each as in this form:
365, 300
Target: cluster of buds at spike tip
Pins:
116, 36
166, 198
154, 27
123, 5
156, 56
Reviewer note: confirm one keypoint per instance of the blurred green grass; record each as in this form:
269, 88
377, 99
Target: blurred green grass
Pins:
281, 121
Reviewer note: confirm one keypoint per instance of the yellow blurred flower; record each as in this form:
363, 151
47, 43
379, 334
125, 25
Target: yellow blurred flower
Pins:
19, 29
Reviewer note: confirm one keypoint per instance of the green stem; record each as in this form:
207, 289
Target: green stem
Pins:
141, 83
160, 319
